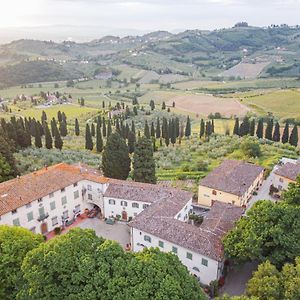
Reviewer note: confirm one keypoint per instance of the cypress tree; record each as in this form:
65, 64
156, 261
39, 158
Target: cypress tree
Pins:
173, 132
33, 127
167, 137
212, 126
88, 138
154, 144
64, 117
38, 139
63, 128
118, 129
143, 162
115, 158
131, 141
293, 140
269, 129
236, 128
164, 127
177, 129
260, 129
44, 117
53, 126
152, 131
127, 130
163, 106
285, 135
245, 127
103, 127
58, 142
132, 127
109, 130
152, 104
48, 137
77, 130
252, 127
202, 128
187, 132
146, 130
59, 116
93, 131
276, 134
103, 104
157, 132
99, 140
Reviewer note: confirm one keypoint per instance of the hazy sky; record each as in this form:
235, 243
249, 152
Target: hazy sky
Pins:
147, 15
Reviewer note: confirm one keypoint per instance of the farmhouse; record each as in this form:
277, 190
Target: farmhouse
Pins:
232, 182
158, 216
286, 174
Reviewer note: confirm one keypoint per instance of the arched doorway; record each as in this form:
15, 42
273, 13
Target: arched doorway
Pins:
44, 228
124, 215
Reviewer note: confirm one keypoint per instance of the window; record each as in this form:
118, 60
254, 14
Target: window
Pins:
40, 200
66, 214
204, 262
51, 195
16, 222
174, 249
145, 206
52, 205
99, 190
196, 269
13, 211
54, 221
281, 179
214, 192
41, 211
28, 205
161, 244
30, 216
64, 200
62, 190
147, 238
123, 203
76, 194
77, 209
90, 196
75, 184
89, 187
179, 216
185, 208
136, 205
111, 201
189, 255
205, 195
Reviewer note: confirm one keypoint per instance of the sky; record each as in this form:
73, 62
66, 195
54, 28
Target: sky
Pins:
88, 18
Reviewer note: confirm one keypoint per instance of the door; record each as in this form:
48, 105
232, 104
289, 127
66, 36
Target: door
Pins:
124, 215
44, 228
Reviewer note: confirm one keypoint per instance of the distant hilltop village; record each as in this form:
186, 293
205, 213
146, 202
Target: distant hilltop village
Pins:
157, 216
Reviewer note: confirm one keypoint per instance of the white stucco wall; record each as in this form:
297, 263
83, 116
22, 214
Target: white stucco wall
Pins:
206, 274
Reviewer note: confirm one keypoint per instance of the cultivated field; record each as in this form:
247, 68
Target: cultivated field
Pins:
203, 105
246, 70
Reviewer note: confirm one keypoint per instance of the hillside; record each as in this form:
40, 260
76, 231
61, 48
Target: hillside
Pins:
245, 52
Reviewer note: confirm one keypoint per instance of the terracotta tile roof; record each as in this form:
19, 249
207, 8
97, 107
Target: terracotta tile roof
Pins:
232, 176
206, 240
25, 189
289, 170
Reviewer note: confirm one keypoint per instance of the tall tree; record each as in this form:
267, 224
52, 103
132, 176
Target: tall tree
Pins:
132, 127
103, 128
77, 130
99, 140
202, 128
276, 133
157, 132
146, 130
88, 138
163, 106
109, 130
293, 140
252, 127
187, 132
236, 128
245, 127
38, 139
115, 158
260, 129
143, 161
173, 132
152, 104
93, 131
269, 129
58, 142
59, 116
152, 131
131, 142
285, 135
63, 128
48, 137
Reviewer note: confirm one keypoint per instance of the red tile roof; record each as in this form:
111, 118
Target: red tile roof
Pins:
289, 170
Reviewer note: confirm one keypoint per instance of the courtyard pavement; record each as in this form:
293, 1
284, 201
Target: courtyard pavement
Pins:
119, 232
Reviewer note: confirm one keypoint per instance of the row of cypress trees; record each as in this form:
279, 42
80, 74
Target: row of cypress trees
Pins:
270, 132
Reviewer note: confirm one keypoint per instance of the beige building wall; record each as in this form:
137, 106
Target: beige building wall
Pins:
281, 182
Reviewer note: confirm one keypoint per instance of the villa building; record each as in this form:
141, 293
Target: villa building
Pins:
285, 174
232, 182
158, 216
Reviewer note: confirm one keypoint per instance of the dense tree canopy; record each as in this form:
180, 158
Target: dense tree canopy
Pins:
80, 265
15, 242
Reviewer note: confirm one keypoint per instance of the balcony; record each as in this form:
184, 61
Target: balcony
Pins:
42, 217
